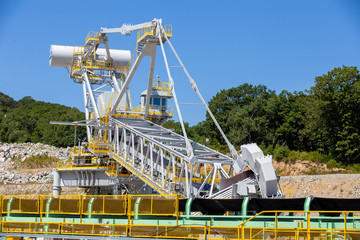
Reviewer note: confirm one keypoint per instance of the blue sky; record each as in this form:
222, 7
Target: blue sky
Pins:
280, 44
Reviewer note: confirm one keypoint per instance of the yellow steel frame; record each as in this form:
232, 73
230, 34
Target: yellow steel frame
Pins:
288, 193
92, 63
163, 86
138, 111
99, 145
149, 30
176, 171
104, 199
60, 208
92, 229
20, 200
125, 160
168, 30
92, 36
113, 170
151, 211
308, 231
76, 151
192, 231
176, 232
168, 231
81, 204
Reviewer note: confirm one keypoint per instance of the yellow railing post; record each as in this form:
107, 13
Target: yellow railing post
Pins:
81, 206
308, 225
242, 232
345, 225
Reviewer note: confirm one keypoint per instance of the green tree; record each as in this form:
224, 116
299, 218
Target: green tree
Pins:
235, 109
28, 120
339, 94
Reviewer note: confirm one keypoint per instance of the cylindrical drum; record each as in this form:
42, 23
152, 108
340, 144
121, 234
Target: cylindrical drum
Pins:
61, 56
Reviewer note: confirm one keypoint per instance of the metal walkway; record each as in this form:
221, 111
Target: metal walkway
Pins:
158, 156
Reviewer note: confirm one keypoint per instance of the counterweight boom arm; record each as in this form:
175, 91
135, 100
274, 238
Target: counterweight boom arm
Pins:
126, 29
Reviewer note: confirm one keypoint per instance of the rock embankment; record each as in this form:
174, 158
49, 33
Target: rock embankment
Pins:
13, 154
11, 177
327, 186
21, 151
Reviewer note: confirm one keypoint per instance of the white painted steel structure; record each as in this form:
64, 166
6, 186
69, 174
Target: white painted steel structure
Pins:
165, 161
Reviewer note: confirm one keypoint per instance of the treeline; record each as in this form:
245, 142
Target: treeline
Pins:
322, 121
28, 120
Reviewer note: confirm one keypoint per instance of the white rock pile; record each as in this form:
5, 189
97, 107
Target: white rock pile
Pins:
17, 178
21, 151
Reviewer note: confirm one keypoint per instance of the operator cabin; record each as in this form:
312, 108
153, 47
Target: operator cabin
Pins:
160, 94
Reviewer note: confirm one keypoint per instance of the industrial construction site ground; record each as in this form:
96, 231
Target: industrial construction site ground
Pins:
329, 185
299, 179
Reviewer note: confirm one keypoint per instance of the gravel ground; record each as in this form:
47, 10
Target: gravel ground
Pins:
331, 185
28, 181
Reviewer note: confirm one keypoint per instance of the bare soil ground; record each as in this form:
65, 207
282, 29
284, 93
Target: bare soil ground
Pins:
304, 167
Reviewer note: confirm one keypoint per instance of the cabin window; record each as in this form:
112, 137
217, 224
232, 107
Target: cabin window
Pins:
163, 102
156, 101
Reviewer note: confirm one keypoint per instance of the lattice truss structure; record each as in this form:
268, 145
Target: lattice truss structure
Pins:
127, 150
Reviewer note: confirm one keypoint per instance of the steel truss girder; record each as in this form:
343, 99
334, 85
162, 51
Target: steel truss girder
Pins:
157, 162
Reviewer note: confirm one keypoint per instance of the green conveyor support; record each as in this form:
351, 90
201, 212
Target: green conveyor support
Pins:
90, 205
8, 206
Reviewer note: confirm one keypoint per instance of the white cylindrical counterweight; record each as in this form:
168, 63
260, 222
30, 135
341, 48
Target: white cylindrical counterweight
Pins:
61, 56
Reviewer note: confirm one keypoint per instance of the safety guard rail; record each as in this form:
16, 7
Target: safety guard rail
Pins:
90, 204
195, 230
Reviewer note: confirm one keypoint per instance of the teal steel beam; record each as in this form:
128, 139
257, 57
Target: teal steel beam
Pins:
47, 210
188, 208
8, 206
307, 203
90, 205
244, 207
47, 206
137, 208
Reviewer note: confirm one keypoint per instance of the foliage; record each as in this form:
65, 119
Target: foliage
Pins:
28, 120
321, 124
339, 95
239, 112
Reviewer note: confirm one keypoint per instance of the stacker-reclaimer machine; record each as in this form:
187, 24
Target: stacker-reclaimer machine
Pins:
142, 180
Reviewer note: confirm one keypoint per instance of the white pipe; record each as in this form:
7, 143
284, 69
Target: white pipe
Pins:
56, 183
